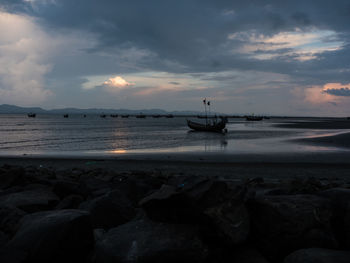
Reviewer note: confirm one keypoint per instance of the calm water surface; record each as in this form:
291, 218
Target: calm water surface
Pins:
50, 134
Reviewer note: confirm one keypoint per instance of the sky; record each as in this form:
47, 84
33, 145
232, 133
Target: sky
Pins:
254, 56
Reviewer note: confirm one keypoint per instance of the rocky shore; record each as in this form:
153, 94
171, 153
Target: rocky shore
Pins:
97, 215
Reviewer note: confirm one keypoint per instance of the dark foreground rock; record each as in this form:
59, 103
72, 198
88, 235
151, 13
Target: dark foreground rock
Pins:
318, 255
282, 224
146, 241
109, 210
54, 236
32, 200
219, 209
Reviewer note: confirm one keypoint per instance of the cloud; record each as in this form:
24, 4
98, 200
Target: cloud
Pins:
344, 92
117, 82
23, 48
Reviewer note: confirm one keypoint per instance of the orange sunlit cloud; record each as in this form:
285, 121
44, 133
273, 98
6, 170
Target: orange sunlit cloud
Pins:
117, 82
328, 93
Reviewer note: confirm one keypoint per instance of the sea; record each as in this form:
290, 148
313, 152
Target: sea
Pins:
92, 135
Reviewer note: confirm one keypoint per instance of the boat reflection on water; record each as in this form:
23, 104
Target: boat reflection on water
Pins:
210, 141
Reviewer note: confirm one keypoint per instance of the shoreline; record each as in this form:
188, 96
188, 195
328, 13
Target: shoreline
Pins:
269, 166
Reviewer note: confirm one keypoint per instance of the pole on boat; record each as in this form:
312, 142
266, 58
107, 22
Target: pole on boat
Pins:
209, 107
205, 108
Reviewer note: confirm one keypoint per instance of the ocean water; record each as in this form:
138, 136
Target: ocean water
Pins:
53, 134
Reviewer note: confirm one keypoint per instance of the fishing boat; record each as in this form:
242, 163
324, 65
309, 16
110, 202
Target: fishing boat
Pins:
65, 116
253, 118
103, 115
31, 115
169, 116
210, 126
141, 116
114, 115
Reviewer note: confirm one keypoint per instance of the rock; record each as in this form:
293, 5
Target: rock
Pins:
94, 186
11, 176
146, 241
318, 255
9, 219
212, 203
65, 188
31, 200
247, 255
109, 210
3, 239
70, 202
54, 236
136, 187
340, 200
282, 224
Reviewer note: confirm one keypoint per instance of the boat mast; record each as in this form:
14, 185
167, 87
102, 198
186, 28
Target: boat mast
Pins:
205, 107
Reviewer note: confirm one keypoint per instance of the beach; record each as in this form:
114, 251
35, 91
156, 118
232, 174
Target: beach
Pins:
183, 206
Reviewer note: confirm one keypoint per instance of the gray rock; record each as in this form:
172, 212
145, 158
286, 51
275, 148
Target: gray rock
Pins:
340, 200
31, 200
109, 210
318, 255
282, 224
146, 241
9, 219
54, 236
212, 203
64, 188
11, 176
70, 202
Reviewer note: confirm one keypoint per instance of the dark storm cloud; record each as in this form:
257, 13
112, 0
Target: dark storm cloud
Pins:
345, 92
192, 36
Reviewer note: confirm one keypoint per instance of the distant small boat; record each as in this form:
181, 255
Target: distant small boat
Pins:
31, 115
114, 115
84, 115
211, 126
65, 116
103, 115
169, 116
141, 116
125, 116
253, 118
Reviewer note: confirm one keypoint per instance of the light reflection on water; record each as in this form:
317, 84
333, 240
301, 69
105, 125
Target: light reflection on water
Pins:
54, 134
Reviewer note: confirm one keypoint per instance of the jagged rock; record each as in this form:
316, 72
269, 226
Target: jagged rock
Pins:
65, 188
282, 224
3, 239
94, 186
109, 210
340, 200
9, 219
70, 202
11, 176
136, 187
211, 203
31, 200
318, 255
146, 241
54, 236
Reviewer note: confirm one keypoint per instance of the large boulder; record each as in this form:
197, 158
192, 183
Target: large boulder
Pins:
109, 210
11, 176
340, 200
213, 204
54, 236
282, 224
65, 188
146, 241
9, 219
32, 200
318, 255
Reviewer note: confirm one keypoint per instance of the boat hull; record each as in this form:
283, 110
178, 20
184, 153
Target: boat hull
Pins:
217, 127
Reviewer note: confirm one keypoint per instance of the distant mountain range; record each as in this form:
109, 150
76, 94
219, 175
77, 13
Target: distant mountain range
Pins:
11, 109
